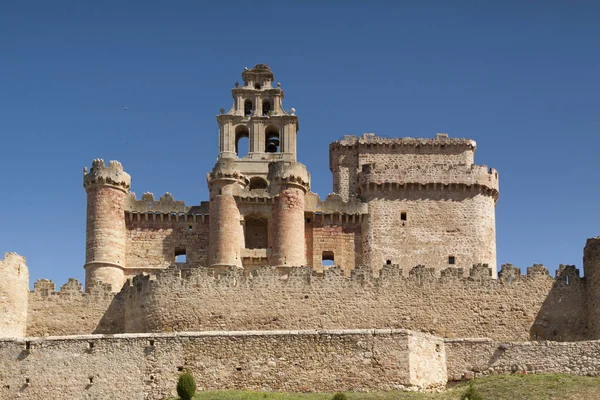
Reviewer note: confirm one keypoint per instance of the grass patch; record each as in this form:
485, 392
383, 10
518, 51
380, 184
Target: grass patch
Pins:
497, 387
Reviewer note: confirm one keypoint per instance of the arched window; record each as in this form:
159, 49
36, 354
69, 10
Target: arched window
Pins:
248, 107
256, 232
266, 107
258, 183
272, 139
242, 141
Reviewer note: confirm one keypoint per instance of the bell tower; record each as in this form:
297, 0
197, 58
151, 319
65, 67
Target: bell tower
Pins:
257, 114
257, 199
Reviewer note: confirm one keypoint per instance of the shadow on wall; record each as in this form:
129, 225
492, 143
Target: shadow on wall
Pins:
113, 320
563, 315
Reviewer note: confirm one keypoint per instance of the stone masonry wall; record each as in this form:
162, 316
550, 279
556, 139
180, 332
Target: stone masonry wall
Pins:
330, 235
14, 287
72, 312
154, 239
147, 366
513, 307
468, 358
438, 225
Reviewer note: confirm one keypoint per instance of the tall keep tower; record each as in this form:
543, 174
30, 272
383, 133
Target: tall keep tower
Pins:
106, 234
257, 199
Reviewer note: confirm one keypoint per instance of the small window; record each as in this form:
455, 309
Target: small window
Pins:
308, 220
328, 259
388, 262
180, 256
257, 86
403, 216
451, 260
190, 228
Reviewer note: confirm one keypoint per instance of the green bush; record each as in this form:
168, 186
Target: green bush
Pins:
471, 393
339, 396
186, 386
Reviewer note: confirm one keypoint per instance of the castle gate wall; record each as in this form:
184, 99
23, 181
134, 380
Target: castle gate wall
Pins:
439, 225
154, 239
148, 366
513, 307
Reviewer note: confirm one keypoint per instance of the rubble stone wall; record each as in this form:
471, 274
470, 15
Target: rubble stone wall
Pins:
147, 366
468, 358
458, 303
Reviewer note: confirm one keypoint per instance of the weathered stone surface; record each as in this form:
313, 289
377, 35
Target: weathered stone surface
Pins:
147, 366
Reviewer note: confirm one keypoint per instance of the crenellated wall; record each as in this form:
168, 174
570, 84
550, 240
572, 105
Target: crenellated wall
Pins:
70, 311
456, 304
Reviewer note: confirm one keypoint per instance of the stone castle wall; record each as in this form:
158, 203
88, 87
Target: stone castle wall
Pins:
153, 240
70, 311
469, 358
147, 366
438, 225
14, 287
513, 307
336, 235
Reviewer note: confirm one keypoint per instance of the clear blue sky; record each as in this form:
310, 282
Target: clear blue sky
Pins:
520, 78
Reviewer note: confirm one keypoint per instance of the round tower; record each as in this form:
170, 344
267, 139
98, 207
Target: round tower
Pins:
14, 295
106, 234
225, 228
289, 182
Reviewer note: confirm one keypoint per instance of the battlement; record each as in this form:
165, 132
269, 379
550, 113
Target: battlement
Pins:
47, 288
147, 203
226, 169
334, 204
111, 175
388, 274
13, 261
370, 140
289, 172
374, 175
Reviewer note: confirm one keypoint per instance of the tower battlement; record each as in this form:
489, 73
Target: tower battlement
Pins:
371, 140
111, 175
383, 176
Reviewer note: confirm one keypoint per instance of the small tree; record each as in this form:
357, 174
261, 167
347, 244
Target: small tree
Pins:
186, 386
339, 396
471, 393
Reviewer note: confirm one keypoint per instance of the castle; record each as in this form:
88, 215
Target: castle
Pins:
413, 298
400, 202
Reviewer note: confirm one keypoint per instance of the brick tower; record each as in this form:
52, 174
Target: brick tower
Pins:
106, 234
